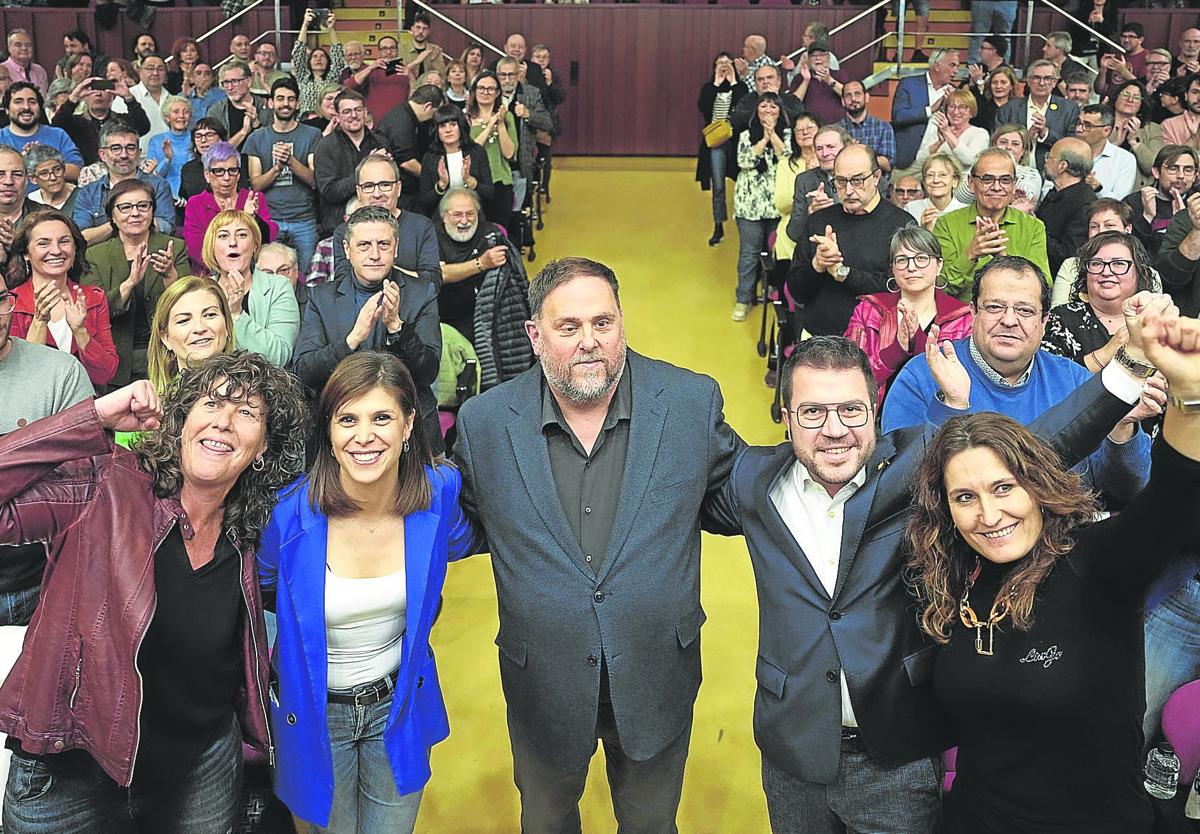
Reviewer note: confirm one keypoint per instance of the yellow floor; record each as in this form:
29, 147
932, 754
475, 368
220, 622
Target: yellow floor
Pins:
649, 221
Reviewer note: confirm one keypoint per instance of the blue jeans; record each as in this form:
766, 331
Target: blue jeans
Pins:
995, 16
44, 797
301, 235
365, 798
752, 240
17, 607
1172, 651
717, 160
863, 797
520, 189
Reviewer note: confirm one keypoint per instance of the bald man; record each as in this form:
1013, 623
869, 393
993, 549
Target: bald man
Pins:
1064, 210
754, 55
1188, 59
517, 48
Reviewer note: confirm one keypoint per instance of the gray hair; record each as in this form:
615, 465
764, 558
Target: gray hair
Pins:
282, 249
556, 273
506, 60
115, 127
947, 159
36, 153
371, 214
391, 163
1078, 165
988, 153
1060, 39
236, 63
1041, 62
10, 149
458, 191
916, 238
938, 54
171, 101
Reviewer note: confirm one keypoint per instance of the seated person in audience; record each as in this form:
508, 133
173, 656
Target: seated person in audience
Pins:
1018, 141
1133, 130
1179, 258
23, 103
222, 169
416, 252
905, 190
894, 326
281, 259
323, 117
1048, 117
820, 87
1104, 215
1153, 206
241, 49
1183, 128
170, 150
14, 202
85, 128
1063, 209
940, 175
406, 128
844, 253
121, 155
1090, 328
814, 188
375, 307
202, 90
205, 133
263, 306
972, 236
133, 268
46, 169
453, 161
339, 153
52, 308
1114, 170
1077, 88
151, 92
1012, 375
468, 246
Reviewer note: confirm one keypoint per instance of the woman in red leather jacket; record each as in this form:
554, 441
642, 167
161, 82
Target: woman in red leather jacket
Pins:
145, 664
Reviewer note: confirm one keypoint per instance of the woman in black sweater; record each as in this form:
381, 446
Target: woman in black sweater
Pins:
718, 98
1039, 608
453, 160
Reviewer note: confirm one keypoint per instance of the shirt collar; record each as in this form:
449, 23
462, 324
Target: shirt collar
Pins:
994, 375
621, 407
803, 482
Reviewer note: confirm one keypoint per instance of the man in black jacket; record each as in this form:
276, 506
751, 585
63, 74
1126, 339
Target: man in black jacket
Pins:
406, 128
1063, 209
339, 153
84, 130
767, 79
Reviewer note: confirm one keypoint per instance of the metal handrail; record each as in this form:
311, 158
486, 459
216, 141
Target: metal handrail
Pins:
1079, 22
886, 35
472, 35
225, 23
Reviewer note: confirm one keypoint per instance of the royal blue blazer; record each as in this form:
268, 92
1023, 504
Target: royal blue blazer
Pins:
292, 564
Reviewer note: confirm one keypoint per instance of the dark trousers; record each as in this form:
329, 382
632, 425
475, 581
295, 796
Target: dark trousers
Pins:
864, 798
645, 794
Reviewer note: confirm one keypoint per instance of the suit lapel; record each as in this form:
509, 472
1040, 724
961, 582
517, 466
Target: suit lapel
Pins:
306, 584
648, 416
533, 462
857, 511
776, 527
420, 532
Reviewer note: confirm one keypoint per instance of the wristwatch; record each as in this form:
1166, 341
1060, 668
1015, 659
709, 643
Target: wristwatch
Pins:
842, 272
1186, 406
1138, 369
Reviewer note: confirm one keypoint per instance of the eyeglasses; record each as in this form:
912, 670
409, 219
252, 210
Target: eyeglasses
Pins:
906, 192
1117, 266
129, 208
468, 216
8, 303
994, 309
286, 270
858, 181
371, 187
225, 172
351, 111
950, 107
1041, 79
988, 180
506, 75
487, 89
1181, 169
52, 173
116, 150
1131, 95
813, 415
1090, 126
919, 260
229, 82
205, 134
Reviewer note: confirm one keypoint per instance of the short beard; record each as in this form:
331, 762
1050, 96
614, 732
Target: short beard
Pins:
461, 237
559, 378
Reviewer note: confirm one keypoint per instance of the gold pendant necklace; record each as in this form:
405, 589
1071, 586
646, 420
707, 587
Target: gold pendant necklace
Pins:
1001, 608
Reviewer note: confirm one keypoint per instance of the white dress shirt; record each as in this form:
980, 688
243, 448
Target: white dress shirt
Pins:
1116, 170
153, 111
815, 521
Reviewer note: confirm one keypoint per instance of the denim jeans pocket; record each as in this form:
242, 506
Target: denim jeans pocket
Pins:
29, 779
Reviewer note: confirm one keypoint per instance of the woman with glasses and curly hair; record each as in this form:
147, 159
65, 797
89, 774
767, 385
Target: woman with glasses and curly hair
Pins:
152, 611
1038, 607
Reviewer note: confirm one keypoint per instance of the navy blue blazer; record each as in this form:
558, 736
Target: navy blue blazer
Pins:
868, 627
909, 117
291, 563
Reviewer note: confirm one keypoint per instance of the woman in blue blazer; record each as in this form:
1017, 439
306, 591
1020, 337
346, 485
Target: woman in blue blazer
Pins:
355, 555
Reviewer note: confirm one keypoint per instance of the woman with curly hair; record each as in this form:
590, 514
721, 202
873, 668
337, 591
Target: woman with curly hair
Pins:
1038, 608
151, 614
314, 66
359, 705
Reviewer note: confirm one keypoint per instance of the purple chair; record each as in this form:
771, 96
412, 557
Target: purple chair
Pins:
950, 760
1181, 727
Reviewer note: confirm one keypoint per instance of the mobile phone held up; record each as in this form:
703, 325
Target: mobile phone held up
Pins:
103, 84
321, 16
394, 67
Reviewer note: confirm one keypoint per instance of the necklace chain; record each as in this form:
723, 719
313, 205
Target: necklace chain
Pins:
1001, 608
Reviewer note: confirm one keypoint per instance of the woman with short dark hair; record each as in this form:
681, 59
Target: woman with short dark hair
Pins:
359, 706
453, 161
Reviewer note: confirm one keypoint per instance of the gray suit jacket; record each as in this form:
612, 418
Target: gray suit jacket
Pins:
806, 182
639, 610
1061, 119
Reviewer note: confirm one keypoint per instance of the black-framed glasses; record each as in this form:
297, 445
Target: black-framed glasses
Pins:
8, 302
371, 187
919, 260
988, 180
994, 310
853, 414
479, 88
1117, 266
857, 181
232, 171
229, 82
117, 149
128, 208
206, 134
51, 173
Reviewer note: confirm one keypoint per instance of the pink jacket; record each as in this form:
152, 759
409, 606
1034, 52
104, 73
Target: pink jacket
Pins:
199, 214
873, 328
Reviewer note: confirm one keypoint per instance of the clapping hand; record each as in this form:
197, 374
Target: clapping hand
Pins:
364, 323
6, 233
168, 152
75, 307
929, 216
443, 176
251, 205
1149, 201
818, 199
390, 309
827, 256
233, 284
949, 374
137, 266
163, 262
521, 111
907, 324
989, 239
132, 408
45, 301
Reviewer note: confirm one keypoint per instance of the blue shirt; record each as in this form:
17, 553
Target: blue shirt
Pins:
55, 137
1120, 470
200, 104
181, 154
89, 205
874, 132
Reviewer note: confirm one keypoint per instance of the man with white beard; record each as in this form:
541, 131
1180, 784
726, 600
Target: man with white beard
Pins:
468, 246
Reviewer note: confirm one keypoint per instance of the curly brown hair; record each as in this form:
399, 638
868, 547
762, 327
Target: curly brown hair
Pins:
941, 562
233, 376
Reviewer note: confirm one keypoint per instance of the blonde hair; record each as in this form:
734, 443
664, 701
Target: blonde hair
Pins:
208, 252
964, 97
162, 365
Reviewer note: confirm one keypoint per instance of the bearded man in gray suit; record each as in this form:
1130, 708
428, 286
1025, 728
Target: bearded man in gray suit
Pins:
587, 474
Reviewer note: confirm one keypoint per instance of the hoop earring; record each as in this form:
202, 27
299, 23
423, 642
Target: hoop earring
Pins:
942, 285
259, 465
890, 283
405, 447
